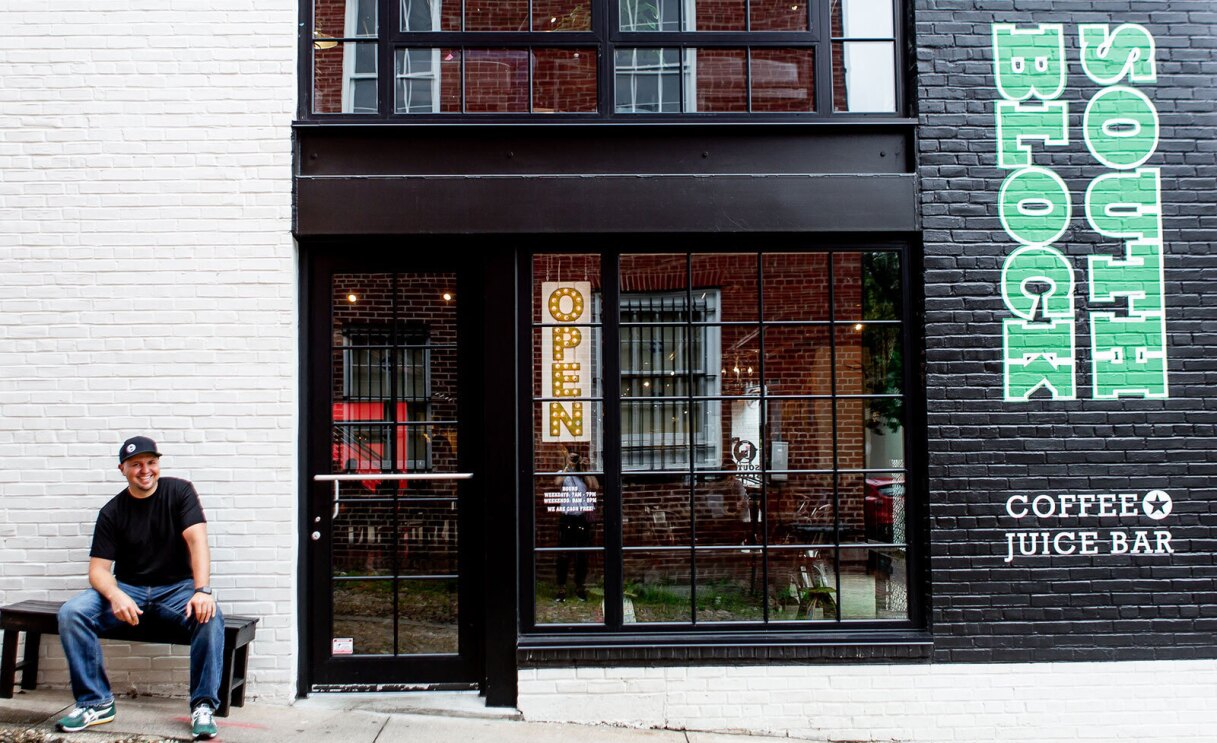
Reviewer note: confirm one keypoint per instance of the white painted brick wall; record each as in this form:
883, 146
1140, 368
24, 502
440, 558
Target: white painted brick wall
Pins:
1167, 701
148, 285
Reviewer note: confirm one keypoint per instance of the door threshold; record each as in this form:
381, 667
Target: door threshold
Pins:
445, 700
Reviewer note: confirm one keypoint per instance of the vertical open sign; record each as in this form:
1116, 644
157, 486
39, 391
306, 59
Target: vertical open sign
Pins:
566, 359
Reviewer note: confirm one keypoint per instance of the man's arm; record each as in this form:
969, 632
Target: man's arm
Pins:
201, 606
101, 577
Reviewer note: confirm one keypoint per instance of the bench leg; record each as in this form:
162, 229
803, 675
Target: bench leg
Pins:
238, 672
29, 669
8, 663
226, 680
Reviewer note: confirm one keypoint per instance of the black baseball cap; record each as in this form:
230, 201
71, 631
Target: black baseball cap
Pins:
137, 445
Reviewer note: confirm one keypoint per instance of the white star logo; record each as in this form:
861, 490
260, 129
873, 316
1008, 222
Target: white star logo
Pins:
1157, 505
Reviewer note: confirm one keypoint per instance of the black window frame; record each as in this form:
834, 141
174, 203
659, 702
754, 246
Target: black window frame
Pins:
606, 38
884, 637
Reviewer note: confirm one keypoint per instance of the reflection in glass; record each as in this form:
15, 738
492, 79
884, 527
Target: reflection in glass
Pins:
884, 420
655, 358
362, 539
869, 360
650, 15
496, 80
851, 434
741, 354
779, 15
874, 584
497, 15
783, 80
559, 602
658, 586
881, 286
795, 286
713, 449
428, 533
363, 613
655, 436
730, 585
339, 19
430, 15
344, 78
653, 273
413, 447
564, 81
803, 584
798, 360
803, 428
717, 15
562, 15
427, 617
682, 15
864, 79
867, 286
722, 79
733, 277
655, 511
862, 19
647, 81
427, 80
873, 507
870, 433
801, 509
568, 510
728, 509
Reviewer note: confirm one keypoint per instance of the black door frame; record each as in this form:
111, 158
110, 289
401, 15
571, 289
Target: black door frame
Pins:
488, 502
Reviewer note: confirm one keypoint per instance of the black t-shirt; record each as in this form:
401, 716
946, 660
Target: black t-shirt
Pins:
143, 536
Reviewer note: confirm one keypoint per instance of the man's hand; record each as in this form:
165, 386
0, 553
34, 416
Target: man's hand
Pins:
202, 607
124, 608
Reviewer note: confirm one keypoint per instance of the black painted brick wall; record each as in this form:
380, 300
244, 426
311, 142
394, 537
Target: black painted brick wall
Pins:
981, 449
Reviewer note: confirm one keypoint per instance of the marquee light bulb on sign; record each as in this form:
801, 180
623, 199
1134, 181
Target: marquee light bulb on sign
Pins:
565, 358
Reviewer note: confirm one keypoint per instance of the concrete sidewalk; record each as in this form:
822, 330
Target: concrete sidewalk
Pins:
419, 717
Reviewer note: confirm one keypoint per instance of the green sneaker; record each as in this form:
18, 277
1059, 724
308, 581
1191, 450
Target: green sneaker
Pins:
202, 724
87, 716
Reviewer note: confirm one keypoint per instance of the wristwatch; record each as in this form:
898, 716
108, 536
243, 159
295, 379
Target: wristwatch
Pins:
203, 589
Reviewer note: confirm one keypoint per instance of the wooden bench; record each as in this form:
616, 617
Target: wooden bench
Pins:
38, 618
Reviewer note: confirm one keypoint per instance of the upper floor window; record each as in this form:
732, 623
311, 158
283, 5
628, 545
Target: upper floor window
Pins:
617, 60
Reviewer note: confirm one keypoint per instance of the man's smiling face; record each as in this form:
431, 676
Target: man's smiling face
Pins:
142, 472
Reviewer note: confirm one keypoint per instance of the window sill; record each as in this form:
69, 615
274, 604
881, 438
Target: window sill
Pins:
875, 646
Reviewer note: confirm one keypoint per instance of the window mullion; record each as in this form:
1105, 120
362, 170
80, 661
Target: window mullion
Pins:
386, 73
822, 20
614, 566
690, 432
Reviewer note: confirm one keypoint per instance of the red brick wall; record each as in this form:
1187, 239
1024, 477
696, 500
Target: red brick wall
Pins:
496, 80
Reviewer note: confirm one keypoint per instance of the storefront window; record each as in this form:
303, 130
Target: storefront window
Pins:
601, 59
754, 470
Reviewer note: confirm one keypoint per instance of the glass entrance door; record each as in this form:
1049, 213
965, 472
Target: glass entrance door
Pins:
393, 483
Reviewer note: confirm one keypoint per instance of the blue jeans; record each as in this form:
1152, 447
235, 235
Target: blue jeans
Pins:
87, 616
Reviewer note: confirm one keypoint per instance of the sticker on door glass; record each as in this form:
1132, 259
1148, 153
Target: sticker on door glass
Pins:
343, 646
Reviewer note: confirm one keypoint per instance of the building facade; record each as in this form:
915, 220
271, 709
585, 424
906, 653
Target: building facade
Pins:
834, 370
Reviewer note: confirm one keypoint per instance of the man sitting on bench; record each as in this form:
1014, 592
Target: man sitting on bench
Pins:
154, 535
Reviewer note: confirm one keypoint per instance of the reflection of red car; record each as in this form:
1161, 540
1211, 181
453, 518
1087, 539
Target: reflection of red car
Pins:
361, 449
883, 497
